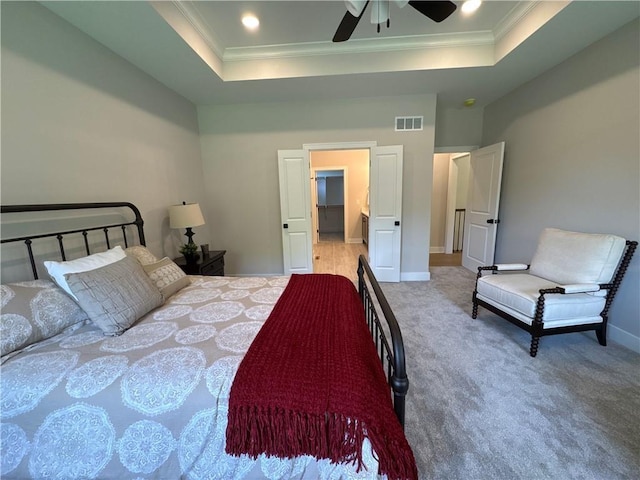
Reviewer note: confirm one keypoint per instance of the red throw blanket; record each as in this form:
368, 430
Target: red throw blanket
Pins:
311, 383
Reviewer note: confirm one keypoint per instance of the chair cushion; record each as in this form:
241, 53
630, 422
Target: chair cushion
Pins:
572, 257
520, 292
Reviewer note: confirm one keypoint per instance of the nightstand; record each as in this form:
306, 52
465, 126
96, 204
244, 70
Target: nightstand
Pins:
212, 264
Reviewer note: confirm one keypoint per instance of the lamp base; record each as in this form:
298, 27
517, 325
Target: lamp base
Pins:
189, 234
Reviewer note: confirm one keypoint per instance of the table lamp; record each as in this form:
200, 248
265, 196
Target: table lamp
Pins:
187, 215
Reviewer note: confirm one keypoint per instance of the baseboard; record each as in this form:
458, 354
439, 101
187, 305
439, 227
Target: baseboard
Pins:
415, 276
354, 240
623, 338
436, 249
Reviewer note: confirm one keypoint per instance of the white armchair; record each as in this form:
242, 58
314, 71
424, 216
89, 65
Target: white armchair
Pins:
568, 287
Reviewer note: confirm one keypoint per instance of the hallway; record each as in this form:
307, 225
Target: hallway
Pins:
445, 259
332, 255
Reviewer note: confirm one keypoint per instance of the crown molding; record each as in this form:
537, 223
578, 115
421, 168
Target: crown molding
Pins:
513, 18
356, 46
190, 12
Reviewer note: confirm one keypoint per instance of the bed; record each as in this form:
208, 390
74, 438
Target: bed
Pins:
86, 395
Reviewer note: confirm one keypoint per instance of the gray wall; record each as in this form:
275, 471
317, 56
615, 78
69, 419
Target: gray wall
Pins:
239, 152
458, 127
572, 159
81, 124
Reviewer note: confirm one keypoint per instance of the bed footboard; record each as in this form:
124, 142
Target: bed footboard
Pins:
387, 338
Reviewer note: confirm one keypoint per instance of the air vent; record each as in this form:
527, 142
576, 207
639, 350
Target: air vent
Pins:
408, 124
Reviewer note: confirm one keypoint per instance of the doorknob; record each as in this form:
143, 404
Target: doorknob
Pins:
493, 220
285, 225
397, 223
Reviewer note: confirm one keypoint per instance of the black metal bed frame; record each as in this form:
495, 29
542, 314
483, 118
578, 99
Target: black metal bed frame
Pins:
28, 239
391, 354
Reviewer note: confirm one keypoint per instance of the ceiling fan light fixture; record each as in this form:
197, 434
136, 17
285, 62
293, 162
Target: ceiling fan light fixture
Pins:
471, 6
380, 12
250, 21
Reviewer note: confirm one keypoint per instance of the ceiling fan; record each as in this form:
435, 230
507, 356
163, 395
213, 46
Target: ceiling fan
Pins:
436, 10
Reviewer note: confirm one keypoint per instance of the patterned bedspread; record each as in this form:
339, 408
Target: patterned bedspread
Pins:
151, 403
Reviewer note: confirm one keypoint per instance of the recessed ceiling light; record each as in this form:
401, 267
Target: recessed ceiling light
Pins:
250, 21
471, 6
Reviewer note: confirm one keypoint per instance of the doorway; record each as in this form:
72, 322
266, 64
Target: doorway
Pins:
339, 187
479, 203
448, 208
385, 196
328, 203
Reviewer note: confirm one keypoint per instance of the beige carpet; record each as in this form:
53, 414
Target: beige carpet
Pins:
479, 407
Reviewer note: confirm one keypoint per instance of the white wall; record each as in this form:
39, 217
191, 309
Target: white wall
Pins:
80, 124
572, 159
239, 149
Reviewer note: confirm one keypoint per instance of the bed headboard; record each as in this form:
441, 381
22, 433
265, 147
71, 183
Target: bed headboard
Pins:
72, 231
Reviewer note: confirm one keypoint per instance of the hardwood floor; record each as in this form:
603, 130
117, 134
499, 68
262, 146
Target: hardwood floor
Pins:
445, 259
332, 255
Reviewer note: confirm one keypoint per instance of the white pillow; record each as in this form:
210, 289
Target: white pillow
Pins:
57, 270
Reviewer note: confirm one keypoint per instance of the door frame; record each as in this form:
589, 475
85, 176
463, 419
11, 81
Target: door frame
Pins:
314, 200
452, 189
309, 147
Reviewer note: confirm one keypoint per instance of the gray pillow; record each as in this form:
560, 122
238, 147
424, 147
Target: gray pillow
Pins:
116, 295
33, 311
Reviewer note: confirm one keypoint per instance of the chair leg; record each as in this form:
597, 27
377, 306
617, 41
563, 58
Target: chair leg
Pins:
601, 333
533, 351
474, 311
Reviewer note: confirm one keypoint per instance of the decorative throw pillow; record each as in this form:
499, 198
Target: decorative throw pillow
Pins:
167, 276
33, 311
116, 295
58, 270
142, 254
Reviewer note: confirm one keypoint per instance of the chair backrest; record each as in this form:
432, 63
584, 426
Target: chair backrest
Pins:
572, 257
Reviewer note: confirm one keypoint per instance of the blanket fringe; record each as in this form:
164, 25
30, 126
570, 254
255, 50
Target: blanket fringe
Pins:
286, 434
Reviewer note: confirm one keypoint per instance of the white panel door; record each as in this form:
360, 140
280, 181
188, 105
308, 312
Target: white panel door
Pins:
483, 201
385, 212
295, 211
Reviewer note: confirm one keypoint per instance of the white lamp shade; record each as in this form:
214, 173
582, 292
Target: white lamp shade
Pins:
185, 216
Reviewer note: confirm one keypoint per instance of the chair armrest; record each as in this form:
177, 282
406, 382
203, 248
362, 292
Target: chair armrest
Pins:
503, 267
580, 288
573, 288
506, 267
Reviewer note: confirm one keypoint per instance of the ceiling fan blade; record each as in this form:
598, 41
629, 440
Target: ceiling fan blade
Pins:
435, 10
347, 26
